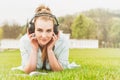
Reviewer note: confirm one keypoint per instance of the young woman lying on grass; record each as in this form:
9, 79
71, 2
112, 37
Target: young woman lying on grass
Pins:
43, 47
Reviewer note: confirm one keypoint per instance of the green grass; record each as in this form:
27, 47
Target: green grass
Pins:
96, 64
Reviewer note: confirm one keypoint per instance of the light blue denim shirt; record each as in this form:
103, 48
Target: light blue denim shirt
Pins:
61, 52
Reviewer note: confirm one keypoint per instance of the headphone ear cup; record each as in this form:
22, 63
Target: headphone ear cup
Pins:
56, 29
31, 28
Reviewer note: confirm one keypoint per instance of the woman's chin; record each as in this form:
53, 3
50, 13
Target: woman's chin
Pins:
43, 44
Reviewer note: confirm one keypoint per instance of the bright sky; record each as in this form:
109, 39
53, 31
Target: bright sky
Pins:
21, 10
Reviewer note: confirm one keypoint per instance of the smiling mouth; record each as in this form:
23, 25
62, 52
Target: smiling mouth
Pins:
44, 40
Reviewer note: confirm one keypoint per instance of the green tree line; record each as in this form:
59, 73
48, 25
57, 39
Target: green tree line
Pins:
100, 24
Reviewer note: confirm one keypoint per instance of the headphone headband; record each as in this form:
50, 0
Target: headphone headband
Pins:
45, 14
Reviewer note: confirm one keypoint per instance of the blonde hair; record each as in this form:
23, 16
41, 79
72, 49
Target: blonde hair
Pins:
43, 9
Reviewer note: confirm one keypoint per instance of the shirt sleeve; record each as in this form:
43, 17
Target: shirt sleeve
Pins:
24, 51
63, 55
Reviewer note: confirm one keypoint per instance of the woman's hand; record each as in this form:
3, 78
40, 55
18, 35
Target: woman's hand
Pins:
51, 44
33, 41
54, 63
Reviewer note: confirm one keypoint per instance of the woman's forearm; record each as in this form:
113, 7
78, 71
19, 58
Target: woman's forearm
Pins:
54, 64
32, 63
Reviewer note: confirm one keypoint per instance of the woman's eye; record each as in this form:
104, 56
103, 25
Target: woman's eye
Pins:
39, 30
48, 30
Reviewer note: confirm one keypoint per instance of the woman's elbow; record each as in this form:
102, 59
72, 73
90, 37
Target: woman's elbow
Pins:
58, 69
29, 69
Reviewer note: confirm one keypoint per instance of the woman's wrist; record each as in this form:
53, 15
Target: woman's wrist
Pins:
49, 51
49, 48
35, 50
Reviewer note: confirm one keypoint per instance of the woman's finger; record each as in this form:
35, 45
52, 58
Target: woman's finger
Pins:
32, 36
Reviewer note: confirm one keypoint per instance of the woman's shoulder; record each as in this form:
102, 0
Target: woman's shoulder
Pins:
24, 37
62, 43
63, 39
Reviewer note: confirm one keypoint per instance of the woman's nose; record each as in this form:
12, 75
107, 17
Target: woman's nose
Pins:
44, 34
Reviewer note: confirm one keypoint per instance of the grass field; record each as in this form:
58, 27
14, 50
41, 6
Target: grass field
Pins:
96, 64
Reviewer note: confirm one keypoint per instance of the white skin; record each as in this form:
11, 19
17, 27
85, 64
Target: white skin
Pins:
44, 35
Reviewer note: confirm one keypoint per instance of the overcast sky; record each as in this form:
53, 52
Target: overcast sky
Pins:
21, 10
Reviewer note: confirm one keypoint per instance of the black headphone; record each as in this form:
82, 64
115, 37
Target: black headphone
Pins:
31, 28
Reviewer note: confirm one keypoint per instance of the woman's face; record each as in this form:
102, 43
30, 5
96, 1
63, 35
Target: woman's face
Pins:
43, 31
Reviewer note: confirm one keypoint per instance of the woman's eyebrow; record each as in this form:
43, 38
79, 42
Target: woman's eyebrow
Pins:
39, 28
49, 29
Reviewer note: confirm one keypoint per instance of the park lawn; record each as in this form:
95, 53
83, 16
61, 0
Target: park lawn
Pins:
96, 64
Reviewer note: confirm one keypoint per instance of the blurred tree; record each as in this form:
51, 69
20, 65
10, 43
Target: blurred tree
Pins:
24, 28
102, 18
11, 31
65, 23
83, 28
1, 33
114, 33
